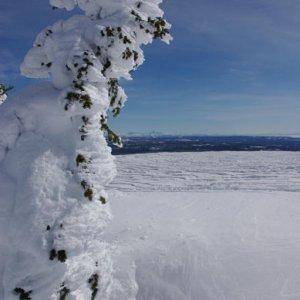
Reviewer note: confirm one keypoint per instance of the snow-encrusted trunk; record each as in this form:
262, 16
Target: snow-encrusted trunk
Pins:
56, 157
42, 207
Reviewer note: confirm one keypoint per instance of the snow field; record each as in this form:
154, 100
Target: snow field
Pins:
183, 230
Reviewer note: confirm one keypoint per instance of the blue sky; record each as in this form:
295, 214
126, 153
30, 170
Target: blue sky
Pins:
233, 67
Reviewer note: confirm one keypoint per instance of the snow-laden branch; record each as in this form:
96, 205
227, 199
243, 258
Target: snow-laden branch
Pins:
86, 56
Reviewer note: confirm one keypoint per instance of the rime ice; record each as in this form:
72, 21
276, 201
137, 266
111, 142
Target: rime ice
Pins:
54, 153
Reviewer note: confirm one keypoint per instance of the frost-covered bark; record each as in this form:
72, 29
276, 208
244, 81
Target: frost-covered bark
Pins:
60, 185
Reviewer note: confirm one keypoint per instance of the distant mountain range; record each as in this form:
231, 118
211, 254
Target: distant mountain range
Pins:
153, 143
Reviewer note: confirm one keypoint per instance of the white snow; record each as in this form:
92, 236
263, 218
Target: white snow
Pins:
207, 225
186, 225
3, 97
3, 91
216, 225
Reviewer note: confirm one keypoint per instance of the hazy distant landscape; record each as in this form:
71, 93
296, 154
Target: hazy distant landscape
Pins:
151, 144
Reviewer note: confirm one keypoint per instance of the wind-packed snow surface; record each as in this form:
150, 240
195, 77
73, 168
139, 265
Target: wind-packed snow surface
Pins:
217, 225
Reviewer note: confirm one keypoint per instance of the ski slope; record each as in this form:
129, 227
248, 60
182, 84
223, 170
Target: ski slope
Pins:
207, 225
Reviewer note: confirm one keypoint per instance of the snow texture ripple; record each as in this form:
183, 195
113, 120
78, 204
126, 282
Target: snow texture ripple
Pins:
259, 171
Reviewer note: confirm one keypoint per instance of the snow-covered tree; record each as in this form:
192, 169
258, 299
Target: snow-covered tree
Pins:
3, 92
62, 204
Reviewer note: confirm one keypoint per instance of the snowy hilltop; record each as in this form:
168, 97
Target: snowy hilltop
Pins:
55, 161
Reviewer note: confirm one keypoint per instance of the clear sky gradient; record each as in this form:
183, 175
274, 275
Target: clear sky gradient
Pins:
233, 67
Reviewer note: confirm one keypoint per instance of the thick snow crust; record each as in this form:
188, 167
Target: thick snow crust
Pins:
207, 225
